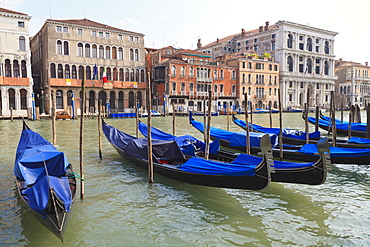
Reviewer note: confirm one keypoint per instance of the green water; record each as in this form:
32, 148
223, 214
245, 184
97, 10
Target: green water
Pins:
120, 208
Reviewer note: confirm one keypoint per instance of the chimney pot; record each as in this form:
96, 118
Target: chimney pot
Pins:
261, 29
366, 63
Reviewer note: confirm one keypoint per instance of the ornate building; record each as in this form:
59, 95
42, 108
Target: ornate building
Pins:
112, 61
305, 53
15, 67
353, 84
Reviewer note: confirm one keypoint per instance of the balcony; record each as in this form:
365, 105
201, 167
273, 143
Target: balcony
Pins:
201, 79
183, 93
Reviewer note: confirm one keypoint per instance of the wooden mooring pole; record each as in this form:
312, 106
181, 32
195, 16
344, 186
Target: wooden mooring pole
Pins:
82, 119
100, 129
247, 139
149, 134
281, 154
53, 127
209, 116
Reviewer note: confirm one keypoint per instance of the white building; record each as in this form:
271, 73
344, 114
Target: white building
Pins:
305, 53
15, 67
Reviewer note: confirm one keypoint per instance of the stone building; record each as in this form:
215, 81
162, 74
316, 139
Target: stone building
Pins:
305, 53
185, 77
15, 67
353, 83
66, 51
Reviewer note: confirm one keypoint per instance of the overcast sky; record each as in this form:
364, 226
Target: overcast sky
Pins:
181, 23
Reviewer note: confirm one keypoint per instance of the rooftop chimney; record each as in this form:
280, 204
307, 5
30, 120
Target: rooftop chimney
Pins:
366, 64
243, 32
217, 41
267, 26
199, 45
261, 29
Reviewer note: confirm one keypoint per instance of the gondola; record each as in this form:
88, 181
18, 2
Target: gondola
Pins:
357, 129
307, 152
169, 161
45, 180
313, 173
290, 136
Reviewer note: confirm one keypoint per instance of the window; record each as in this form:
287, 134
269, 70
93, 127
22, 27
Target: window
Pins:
65, 29
114, 53
273, 46
74, 72
222, 74
136, 39
120, 53
15, 68
182, 71
247, 42
100, 34
59, 47
326, 68
22, 43
131, 38
173, 71
24, 69
290, 63
107, 52
23, 94
132, 54
136, 55
290, 41
142, 75
60, 71
87, 50
79, 31
80, 49
8, 68
67, 72
93, 33
132, 75
309, 66
119, 36
273, 36
127, 75
256, 48
101, 51
255, 40
107, 35
309, 44
20, 23
52, 70
121, 75
94, 51
326, 47
11, 93
137, 75
59, 28
88, 73
80, 72
66, 47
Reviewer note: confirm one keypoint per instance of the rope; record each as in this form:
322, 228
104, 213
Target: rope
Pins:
262, 177
75, 175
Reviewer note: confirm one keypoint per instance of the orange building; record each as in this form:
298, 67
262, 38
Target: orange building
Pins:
185, 77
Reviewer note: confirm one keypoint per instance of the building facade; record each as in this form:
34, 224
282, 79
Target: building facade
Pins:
111, 60
185, 77
353, 83
305, 53
15, 67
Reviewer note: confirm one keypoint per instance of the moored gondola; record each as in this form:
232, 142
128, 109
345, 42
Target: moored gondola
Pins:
45, 180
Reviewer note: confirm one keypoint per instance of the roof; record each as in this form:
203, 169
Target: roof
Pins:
11, 11
227, 38
89, 23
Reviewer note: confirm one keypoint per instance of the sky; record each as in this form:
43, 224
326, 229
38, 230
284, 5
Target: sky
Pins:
182, 23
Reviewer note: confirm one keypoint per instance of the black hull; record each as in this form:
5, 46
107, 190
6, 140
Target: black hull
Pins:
51, 222
258, 182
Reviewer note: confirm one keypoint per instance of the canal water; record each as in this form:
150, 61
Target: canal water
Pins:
120, 208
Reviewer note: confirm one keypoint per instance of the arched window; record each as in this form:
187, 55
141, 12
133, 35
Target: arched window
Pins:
8, 68
290, 41
121, 74
114, 52
309, 44
137, 75
120, 53
182, 71
23, 94
243, 80
341, 90
11, 95
142, 75
109, 73
101, 51
67, 72
80, 72
127, 75
16, 68
94, 51
309, 66
191, 72
131, 99
24, 69
290, 63
173, 71
132, 75
59, 47
191, 87
107, 52
115, 74
132, 54
249, 78
92, 100
22, 43
183, 87
80, 49
74, 72
66, 47
136, 55
120, 100
87, 50
53, 73
222, 74
215, 74
60, 71
88, 73
174, 87
69, 97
